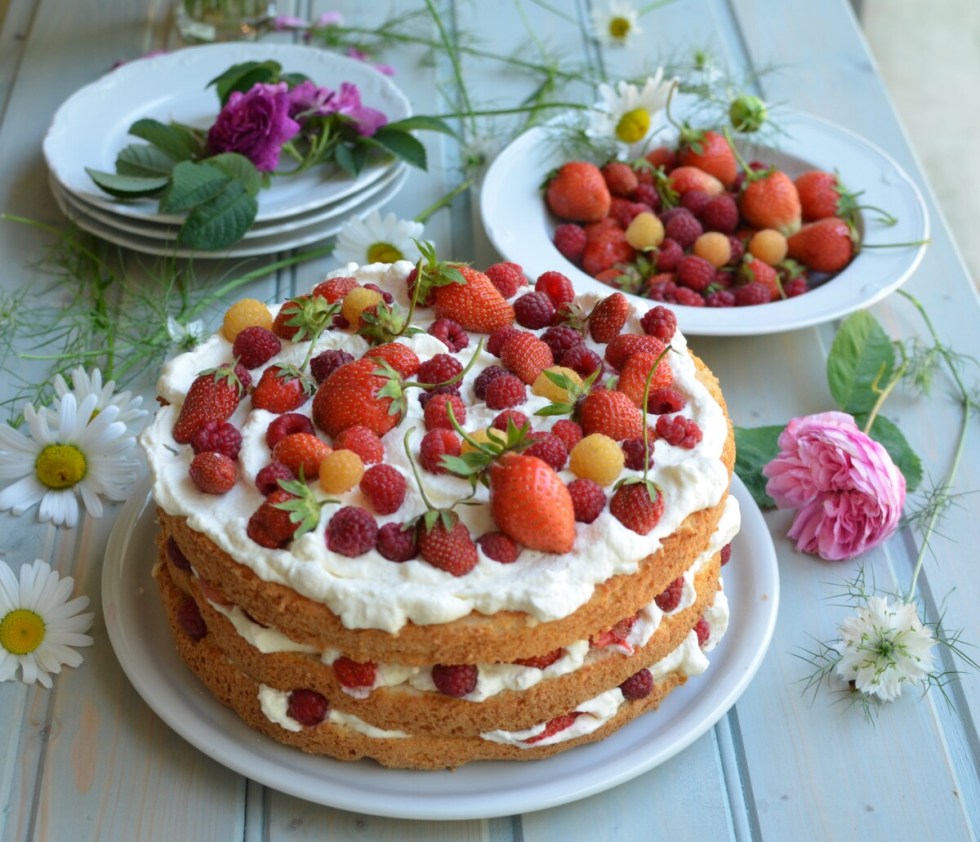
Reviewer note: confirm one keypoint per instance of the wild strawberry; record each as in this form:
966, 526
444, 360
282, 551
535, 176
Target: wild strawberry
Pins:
625, 345
334, 289
541, 661
826, 245
682, 179
255, 346
531, 504
604, 249
281, 389
683, 228
608, 317
822, 195
633, 377
534, 310
354, 674
450, 333
526, 356
352, 531
287, 424
570, 239
219, 437
455, 680
499, 547
475, 303
364, 442
385, 487
326, 362
354, 394
554, 726
307, 707
437, 412
771, 201
679, 431
400, 357
620, 178
611, 413
270, 526
398, 542
213, 473
637, 505
301, 452
588, 499
557, 287
578, 193
507, 277
670, 597
637, 686
267, 479
213, 396
436, 444
582, 360
660, 322
752, 293
448, 545
597, 457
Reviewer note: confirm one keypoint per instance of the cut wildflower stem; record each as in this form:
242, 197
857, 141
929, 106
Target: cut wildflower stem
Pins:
883, 395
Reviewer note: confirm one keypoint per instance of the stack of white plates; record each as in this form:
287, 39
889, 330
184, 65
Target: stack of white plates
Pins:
92, 126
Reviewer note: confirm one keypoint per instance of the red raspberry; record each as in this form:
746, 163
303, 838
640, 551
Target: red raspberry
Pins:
568, 431
339, 322
637, 686
518, 418
752, 294
795, 286
588, 499
499, 337
506, 277
668, 255
726, 554
324, 363
648, 195
285, 425
499, 547
439, 369
218, 437
363, 441
695, 272
570, 241
213, 473
688, 297
450, 333
665, 401
534, 310
703, 631
721, 298
678, 431
505, 391
353, 673
428, 394
724, 278
334, 289
437, 412
190, 620
541, 662
664, 290
670, 598
352, 531
255, 346
491, 372
455, 681
386, 296
548, 448
660, 322
398, 543
385, 487
582, 360
179, 560
436, 444
694, 201
623, 211
721, 214
635, 451
560, 338
553, 726
683, 228
244, 377
267, 479
738, 250
307, 707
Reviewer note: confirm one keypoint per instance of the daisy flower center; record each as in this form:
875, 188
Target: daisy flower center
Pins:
60, 466
619, 28
633, 125
21, 631
383, 253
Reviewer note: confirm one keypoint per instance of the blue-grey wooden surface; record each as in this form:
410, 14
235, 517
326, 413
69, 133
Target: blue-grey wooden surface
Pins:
89, 760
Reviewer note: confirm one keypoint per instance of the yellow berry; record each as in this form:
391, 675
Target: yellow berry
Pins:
646, 231
340, 471
245, 313
714, 247
479, 436
544, 387
597, 457
769, 246
356, 302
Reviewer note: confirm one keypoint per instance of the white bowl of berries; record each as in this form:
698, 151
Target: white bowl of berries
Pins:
713, 231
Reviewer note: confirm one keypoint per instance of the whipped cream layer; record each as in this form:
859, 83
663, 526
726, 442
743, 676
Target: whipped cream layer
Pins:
371, 592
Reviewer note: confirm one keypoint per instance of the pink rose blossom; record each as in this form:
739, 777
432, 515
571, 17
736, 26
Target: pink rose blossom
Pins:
847, 491
255, 124
309, 100
348, 102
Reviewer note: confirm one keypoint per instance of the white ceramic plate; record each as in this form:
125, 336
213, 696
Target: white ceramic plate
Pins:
92, 125
141, 638
521, 227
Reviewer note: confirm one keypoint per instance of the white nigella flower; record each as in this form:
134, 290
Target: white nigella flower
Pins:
617, 24
376, 240
84, 384
83, 454
627, 114
186, 335
38, 624
883, 647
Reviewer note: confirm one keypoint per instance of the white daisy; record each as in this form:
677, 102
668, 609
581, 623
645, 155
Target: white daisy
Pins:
885, 646
372, 239
628, 115
38, 624
186, 335
616, 25
83, 454
84, 384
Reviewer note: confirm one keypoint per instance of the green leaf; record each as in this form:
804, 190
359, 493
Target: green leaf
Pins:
143, 161
401, 145
240, 169
756, 447
221, 221
293, 79
192, 185
345, 159
861, 357
421, 121
241, 77
128, 186
175, 140
887, 434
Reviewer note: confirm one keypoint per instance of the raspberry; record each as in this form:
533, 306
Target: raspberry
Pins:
588, 499
244, 313
190, 620
664, 290
498, 338
363, 441
334, 289
518, 418
385, 487
668, 254
695, 272
410, 286
582, 360
437, 412
560, 338
307, 707
483, 379
678, 431
752, 293
213, 473
244, 377
354, 674
557, 287
506, 277
637, 686
534, 310
541, 661
428, 394
597, 457
794, 287
738, 250
340, 322
660, 322
570, 241
694, 201
455, 681
439, 369
267, 479
450, 333
499, 547
352, 531
340, 471
726, 554
386, 296
713, 247
624, 211
688, 297
436, 444
218, 437
720, 214
703, 631
179, 560
359, 301
665, 401
505, 391
324, 363
553, 726
526, 356
721, 298
255, 346
568, 431
548, 448
670, 598
648, 195
634, 450
683, 228
398, 541
286, 425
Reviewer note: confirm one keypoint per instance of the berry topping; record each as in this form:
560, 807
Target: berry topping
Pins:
597, 457
703, 631
534, 310
213, 396
364, 442
609, 317
281, 389
324, 363
507, 417
307, 707
455, 681
679, 431
271, 526
450, 333
190, 620
726, 554
665, 401
436, 444
638, 506
635, 375
568, 431
554, 726
526, 356
638, 457
549, 448
497, 339
611, 413
340, 471
267, 479
354, 674
560, 338
582, 360
505, 391
483, 379
396, 354
246, 312
334, 289
428, 394
398, 541
302, 453
506, 277
637, 686
176, 555
437, 412
385, 487
439, 369
588, 499
499, 547
352, 531
541, 661
670, 598
213, 473
255, 346
448, 545
219, 437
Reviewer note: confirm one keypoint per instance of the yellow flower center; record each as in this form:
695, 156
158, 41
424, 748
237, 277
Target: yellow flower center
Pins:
619, 28
60, 466
383, 253
633, 125
21, 631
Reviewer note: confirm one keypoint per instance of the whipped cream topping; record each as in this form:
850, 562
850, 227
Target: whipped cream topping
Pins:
372, 592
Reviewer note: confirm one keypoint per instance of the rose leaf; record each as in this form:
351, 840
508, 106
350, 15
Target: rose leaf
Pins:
192, 185
128, 186
861, 358
175, 140
221, 221
241, 77
239, 168
400, 144
143, 161
756, 447
422, 121
887, 434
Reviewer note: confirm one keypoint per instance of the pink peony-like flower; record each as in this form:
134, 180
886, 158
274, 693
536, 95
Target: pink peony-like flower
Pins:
366, 120
309, 100
255, 124
847, 491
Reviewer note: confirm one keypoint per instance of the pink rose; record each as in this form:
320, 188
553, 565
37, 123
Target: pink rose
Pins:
848, 492
255, 124
366, 120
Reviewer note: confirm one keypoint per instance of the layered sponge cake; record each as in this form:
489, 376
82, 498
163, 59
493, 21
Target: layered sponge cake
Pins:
429, 515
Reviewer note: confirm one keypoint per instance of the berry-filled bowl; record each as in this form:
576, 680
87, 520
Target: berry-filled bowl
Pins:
887, 237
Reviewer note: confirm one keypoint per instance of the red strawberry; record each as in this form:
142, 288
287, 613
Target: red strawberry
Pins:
611, 413
213, 396
683, 179
270, 526
400, 357
608, 317
541, 661
281, 389
633, 377
604, 248
753, 269
353, 673
709, 151
553, 726
352, 395
620, 178
637, 505
476, 304
826, 245
301, 451
819, 194
334, 289
578, 192
531, 504
771, 201
625, 345
526, 356
663, 157
448, 547
213, 473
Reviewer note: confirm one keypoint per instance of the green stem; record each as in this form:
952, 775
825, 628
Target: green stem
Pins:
453, 58
883, 395
924, 242
500, 112
445, 201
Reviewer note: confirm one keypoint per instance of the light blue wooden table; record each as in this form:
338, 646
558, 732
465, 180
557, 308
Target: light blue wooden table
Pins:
89, 760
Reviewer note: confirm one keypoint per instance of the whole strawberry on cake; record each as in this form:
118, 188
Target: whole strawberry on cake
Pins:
430, 515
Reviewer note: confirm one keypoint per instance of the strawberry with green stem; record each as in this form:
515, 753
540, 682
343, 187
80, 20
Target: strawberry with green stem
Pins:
213, 396
768, 198
705, 149
823, 194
